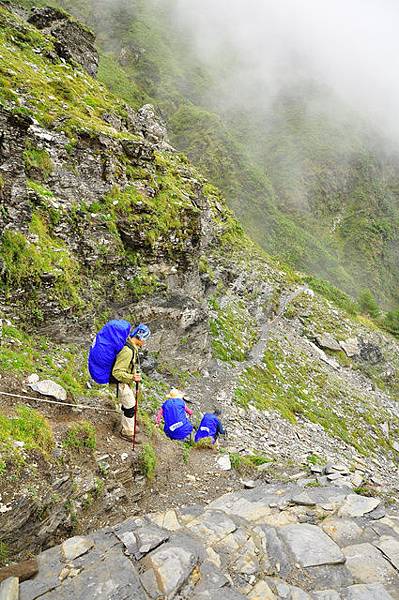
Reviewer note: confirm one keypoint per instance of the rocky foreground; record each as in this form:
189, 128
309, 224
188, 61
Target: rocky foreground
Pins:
270, 542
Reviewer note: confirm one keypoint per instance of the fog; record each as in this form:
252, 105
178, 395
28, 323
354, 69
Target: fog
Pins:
264, 46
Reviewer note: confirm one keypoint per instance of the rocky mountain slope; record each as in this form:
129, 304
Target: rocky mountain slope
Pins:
271, 542
310, 180
100, 218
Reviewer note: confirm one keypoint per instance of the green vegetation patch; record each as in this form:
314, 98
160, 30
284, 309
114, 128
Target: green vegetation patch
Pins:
292, 384
30, 427
80, 435
34, 82
148, 461
248, 462
28, 259
233, 333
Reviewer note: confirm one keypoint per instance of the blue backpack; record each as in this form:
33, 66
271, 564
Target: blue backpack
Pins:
107, 343
177, 426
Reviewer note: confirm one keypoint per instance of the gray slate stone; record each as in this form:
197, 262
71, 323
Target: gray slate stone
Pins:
389, 546
326, 340
76, 546
343, 531
310, 545
372, 591
9, 589
357, 506
112, 578
326, 595
367, 565
46, 387
169, 566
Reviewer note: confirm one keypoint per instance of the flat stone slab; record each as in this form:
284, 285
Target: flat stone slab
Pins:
76, 546
9, 589
326, 340
357, 506
112, 578
171, 565
326, 595
389, 546
343, 531
310, 545
350, 347
261, 591
367, 565
373, 591
212, 526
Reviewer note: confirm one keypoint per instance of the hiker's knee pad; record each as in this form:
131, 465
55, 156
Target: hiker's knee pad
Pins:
128, 412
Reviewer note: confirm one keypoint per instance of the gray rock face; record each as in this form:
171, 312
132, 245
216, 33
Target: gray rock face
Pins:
74, 42
9, 589
230, 551
311, 546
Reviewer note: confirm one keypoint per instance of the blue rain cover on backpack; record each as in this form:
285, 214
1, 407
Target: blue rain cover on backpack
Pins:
208, 427
177, 425
107, 343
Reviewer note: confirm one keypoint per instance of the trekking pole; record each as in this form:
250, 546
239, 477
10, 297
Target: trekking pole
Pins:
136, 412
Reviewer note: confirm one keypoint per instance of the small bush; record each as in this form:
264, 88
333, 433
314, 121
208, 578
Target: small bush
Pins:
391, 322
368, 304
148, 461
81, 435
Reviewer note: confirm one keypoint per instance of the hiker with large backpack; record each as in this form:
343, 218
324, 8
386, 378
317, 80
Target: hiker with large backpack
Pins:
174, 412
114, 358
210, 427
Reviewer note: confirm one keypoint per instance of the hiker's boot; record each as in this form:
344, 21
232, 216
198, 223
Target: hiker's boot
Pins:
129, 437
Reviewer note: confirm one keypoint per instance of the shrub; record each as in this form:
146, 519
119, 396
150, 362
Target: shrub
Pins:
368, 304
148, 461
391, 322
81, 435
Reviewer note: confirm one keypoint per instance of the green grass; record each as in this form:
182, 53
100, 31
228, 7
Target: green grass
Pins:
233, 333
4, 553
293, 385
80, 436
148, 461
37, 162
248, 462
28, 426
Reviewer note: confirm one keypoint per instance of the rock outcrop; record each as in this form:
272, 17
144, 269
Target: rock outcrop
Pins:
74, 41
271, 542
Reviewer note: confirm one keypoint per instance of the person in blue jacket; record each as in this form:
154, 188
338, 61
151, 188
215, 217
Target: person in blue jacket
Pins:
174, 412
210, 427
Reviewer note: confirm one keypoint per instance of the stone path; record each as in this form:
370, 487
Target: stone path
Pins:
268, 543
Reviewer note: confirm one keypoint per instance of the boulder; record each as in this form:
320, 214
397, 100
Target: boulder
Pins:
357, 506
350, 347
76, 546
327, 341
46, 387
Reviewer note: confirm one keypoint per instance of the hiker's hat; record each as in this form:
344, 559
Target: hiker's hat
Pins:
141, 332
